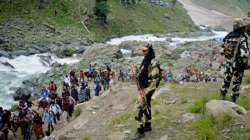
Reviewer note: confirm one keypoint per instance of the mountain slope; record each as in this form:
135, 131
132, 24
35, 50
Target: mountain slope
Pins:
230, 7
111, 116
216, 13
66, 16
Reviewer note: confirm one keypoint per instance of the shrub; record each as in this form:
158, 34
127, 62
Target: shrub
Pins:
198, 106
101, 10
14, 108
121, 118
184, 101
85, 138
240, 134
244, 102
223, 119
77, 112
247, 79
156, 112
67, 52
156, 102
205, 128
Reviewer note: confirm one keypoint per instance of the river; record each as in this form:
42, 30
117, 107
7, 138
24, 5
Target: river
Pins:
24, 68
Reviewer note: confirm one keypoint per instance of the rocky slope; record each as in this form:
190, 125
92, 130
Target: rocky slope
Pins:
216, 13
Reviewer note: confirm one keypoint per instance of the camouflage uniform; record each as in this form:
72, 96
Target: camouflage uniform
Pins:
234, 64
144, 109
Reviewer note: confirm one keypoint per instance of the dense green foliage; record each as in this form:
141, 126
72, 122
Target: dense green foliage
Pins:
101, 10
67, 52
77, 112
14, 108
246, 79
205, 128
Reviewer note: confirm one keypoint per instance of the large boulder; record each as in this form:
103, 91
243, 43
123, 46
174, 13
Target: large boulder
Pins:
189, 117
218, 107
163, 90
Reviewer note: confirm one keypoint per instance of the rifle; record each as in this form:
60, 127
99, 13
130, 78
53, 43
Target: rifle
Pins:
142, 95
236, 50
235, 53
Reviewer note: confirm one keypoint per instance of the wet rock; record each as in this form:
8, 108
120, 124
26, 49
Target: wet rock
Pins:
2, 41
165, 137
7, 64
21, 92
117, 55
80, 50
22, 52
189, 117
46, 60
163, 90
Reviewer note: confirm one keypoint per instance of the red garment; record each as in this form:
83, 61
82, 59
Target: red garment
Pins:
81, 75
38, 129
52, 87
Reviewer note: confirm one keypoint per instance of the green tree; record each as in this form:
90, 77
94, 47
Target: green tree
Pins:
174, 2
101, 11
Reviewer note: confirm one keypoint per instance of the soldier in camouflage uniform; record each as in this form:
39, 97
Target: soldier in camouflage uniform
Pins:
147, 80
235, 51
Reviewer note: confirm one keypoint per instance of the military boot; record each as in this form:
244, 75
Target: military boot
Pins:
139, 133
223, 94
234, 98
147, 127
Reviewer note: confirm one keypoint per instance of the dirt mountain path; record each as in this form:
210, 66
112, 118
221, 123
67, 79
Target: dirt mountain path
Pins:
203, 16
98, 113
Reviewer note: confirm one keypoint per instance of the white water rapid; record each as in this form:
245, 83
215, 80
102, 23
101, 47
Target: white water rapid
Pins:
24, 67
217, 35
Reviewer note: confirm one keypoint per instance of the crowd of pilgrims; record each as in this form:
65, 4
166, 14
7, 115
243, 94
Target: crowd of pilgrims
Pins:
52, 107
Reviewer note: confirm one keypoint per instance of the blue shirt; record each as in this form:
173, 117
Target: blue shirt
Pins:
48, 117
45, 93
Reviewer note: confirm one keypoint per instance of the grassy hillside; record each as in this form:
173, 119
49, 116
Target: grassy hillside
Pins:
230, 7
141, 18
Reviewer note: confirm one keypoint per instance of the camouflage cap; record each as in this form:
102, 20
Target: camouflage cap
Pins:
239, 23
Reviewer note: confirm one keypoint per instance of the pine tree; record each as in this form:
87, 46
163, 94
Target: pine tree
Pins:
101, 10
